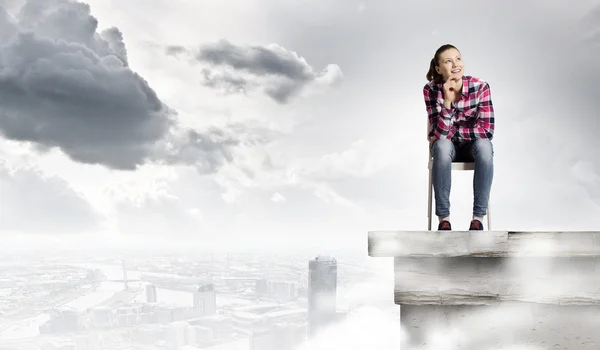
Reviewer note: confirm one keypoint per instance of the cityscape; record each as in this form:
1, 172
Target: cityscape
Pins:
219, 303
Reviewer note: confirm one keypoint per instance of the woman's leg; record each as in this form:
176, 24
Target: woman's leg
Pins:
483, 154
443, 153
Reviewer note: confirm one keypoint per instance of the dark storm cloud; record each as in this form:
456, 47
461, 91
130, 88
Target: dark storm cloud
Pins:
226, 82
175, 49
114, 40
590, 26
64, 85
281, 73
7, 28
257, 60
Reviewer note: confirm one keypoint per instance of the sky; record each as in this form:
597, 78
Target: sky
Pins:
282, 125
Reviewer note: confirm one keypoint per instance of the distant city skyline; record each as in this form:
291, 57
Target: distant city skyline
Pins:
266, 302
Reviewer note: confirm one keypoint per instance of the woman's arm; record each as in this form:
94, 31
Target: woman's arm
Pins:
485, 120
440, 117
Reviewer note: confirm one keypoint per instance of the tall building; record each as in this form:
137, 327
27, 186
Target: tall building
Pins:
205, 300
151, 294
322, 289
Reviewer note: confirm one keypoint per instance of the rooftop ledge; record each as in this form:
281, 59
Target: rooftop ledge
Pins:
483, 244
491, 267
498, 287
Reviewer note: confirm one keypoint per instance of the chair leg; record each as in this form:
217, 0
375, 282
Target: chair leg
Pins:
429, 201
489, 217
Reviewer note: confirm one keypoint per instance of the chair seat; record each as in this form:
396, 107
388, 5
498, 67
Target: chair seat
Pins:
456, 165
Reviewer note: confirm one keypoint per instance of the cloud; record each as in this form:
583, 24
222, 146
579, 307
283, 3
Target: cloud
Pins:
165, 215
373, 319
278, 198
209, 150
280, 73
590, 27
34, 203
64, 85
542, 77
366, 328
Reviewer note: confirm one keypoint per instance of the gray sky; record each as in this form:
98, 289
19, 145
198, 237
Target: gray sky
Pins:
262, 121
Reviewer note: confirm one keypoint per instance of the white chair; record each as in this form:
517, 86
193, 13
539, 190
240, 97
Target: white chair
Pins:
455, 166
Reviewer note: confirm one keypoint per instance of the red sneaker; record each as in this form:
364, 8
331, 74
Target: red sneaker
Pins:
476, 225
444, 226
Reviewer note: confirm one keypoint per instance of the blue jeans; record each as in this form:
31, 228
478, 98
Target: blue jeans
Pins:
444, 152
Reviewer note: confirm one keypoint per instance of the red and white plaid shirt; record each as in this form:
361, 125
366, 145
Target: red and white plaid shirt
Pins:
469, 119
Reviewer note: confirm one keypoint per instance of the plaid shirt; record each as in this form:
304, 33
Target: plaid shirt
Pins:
469, 119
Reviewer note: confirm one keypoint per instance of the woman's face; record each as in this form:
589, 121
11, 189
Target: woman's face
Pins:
450, 64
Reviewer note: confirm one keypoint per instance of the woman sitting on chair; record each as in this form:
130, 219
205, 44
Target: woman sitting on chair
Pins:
461, 128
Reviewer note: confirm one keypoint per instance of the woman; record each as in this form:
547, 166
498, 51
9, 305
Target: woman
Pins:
461, 128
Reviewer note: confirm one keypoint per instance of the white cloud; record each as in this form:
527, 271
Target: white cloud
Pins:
367, 328
278, 198
34, 203
351, 158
